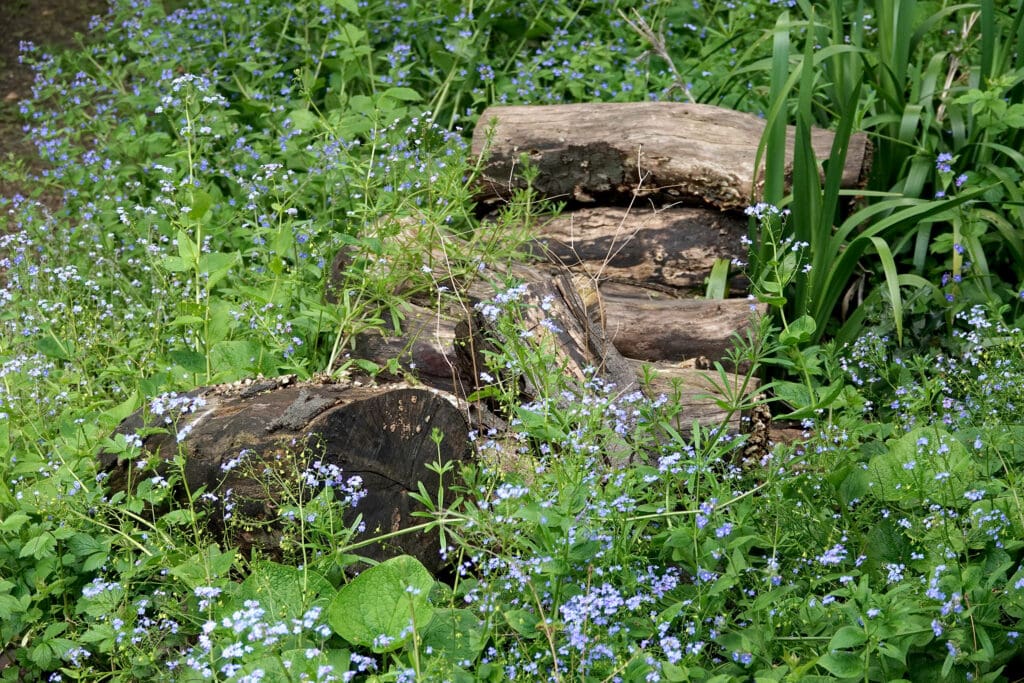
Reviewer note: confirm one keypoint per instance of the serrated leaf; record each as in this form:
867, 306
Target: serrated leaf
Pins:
39, 546
376, 608
14, 522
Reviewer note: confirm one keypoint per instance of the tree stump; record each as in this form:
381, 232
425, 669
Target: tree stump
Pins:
381, 434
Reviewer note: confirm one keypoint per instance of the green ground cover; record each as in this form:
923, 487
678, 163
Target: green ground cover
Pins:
213, 156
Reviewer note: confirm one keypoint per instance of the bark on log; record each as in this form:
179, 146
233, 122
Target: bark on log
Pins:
555, 317
382, 434
675, 247
697, 390
615, 151
652, 326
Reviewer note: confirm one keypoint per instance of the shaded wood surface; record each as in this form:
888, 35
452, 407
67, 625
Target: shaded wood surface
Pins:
611, 152
673, 247
698, 390
382, 434
652, 326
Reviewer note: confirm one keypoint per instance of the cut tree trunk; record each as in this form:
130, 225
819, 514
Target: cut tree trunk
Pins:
382, 434
674, 247
701, 391
614, 152
652, 326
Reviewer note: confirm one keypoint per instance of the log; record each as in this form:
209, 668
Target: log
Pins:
674, 247
696, 389
615, 152
556, 319
380, 433
653, 326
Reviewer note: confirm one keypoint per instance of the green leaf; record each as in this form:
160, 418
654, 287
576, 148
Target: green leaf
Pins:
304, 119
39, 546
523, 621
14, 522
381, 603
51, 347
718, 280
174, 264
455, 633
189, 360
847, 637
842, 664
284, 592
799, 331
201, 203
402, 94
216, 265
187, 249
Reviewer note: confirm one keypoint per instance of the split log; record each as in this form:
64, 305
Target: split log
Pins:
382, 434
652, 326
614, 152
674, 247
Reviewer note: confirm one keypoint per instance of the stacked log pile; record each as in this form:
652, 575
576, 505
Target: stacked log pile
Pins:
655, 192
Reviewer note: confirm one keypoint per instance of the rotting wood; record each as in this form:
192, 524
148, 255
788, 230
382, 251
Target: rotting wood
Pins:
611, 153
383, 434
674, 247
651, 326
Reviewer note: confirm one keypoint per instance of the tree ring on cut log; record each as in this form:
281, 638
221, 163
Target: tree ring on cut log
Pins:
382, 434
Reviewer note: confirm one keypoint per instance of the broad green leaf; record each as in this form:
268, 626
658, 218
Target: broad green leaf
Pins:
455, 633
799, 331
304, 119
376, 608
284, 592
187, 249
523, 621
847, 637
843, 664
189, 360
201, 203
403, 94
39, 546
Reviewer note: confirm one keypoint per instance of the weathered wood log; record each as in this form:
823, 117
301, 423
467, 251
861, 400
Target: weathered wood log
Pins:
614, 152
674, 247
381, 434
649, 325
423, 344
557, 319
698, 390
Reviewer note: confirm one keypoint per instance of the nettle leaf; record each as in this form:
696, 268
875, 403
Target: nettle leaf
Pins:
376, 609
39, 546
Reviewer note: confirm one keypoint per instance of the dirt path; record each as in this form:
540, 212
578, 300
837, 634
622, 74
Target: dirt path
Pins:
50, 24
